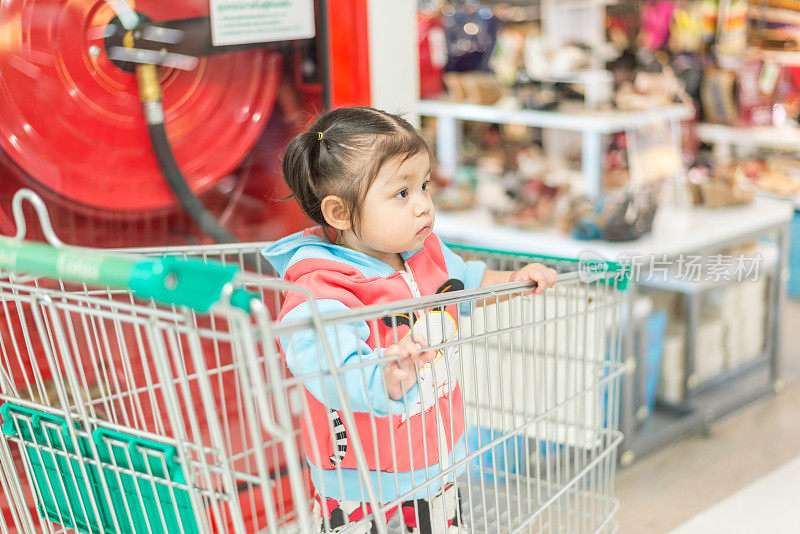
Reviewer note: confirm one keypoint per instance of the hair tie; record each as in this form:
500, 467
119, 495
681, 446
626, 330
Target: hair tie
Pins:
319, 136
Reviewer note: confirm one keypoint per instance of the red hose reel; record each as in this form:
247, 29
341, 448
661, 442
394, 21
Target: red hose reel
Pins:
72, 121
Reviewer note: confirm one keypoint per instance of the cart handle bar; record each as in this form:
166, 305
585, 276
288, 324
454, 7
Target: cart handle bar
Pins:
197, 284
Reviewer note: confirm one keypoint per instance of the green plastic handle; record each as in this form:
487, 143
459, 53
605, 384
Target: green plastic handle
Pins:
183, 282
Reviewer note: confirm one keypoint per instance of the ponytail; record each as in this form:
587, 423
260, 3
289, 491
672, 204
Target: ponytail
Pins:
298, 175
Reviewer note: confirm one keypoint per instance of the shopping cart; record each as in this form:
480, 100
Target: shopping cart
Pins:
146, 392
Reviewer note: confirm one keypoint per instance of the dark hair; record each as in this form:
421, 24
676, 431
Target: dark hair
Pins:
342, 153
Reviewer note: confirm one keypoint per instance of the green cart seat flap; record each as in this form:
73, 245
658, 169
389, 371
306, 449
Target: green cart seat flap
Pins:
145, 503
70, 490
66, 488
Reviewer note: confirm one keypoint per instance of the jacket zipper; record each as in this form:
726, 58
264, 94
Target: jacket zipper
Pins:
408, 276
444, 456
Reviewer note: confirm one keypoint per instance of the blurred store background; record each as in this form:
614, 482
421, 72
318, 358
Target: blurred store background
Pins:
661, 134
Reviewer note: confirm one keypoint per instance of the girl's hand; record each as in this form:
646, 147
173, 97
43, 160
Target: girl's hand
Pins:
400, 374
544, 277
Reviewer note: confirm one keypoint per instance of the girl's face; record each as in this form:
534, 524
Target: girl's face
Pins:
397, 213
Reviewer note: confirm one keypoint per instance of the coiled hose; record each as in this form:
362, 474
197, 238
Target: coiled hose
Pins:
151, 96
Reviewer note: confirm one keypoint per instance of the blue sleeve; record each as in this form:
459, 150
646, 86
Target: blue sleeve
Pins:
469, 272
363, 384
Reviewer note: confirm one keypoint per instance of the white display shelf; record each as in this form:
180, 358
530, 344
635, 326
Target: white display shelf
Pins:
573, 117
794, 200
676, 231
786, 137
578, 76
725, 137
592, 123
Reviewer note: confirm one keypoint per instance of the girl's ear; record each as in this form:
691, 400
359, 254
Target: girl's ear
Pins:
336, 212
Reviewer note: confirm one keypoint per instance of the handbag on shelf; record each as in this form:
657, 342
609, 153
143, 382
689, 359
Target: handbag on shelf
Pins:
623, 217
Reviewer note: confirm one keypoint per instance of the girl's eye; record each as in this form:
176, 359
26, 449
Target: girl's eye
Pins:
402, 194
426, 185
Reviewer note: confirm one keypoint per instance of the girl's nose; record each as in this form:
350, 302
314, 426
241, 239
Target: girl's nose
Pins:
423, 205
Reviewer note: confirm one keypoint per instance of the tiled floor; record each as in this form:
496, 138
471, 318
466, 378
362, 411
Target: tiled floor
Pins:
767, 505
664, 490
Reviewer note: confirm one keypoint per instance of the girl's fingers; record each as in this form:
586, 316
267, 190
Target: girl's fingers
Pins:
421, 341
398, 375
408, 356
542, 282
544, 278
424, 357
407, 365
403, 375
416, 345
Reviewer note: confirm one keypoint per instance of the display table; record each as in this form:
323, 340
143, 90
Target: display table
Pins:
725, 138
676, 232
731, 140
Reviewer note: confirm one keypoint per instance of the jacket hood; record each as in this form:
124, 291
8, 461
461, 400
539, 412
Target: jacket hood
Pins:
281, 252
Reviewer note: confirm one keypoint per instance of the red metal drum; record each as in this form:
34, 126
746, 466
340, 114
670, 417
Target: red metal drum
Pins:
72, 120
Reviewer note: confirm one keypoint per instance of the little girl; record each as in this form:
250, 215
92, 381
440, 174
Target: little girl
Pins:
363, 175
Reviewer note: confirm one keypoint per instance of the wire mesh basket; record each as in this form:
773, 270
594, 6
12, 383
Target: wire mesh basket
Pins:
148, 392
